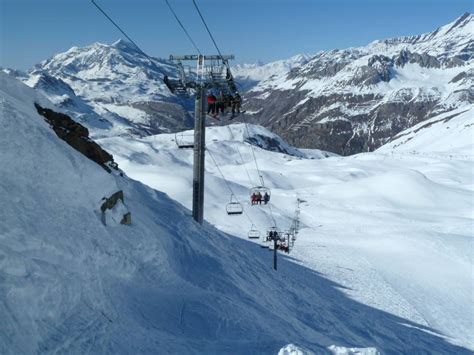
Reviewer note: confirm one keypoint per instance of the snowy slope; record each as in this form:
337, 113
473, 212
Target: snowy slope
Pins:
248, 75
449, 134
163, 284
394, 230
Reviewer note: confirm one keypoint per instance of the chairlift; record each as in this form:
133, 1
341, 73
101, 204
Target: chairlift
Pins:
184, 139
234, 207
254, 233
272, 230
262, 190
216, 71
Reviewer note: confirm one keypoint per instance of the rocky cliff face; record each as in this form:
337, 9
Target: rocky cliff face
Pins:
357, 99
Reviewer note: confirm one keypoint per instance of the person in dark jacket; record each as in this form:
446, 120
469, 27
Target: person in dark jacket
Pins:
236, 102
266, 197
220, 103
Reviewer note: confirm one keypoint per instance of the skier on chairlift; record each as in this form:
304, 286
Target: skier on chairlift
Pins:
266, 197
220, 103
236, 102
253, 199
211, 105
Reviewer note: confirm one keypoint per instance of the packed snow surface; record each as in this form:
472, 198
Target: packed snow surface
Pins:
394, 229
70, 284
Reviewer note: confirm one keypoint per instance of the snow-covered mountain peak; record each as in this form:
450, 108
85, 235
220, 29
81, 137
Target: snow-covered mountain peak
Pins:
453, 40
124, 45
119, 83
249, 75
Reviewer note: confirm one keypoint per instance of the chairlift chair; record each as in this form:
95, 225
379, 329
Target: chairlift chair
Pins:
272, 229
254, 233
184, 139
216, 71
234, 207
262, 190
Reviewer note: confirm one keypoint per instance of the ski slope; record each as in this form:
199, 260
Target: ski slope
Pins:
393, 229
70, 284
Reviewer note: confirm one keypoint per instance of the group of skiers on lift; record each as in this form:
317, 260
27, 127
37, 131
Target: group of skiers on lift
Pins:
222, 102
257, 198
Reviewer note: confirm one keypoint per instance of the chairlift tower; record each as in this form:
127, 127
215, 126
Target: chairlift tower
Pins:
214, 75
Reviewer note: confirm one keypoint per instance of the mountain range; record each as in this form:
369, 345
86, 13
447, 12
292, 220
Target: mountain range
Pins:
344, 101
356, 99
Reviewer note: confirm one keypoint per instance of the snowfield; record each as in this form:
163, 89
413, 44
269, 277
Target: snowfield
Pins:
383, 261
394, 227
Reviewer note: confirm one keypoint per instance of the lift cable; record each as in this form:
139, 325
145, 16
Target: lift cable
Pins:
228, 186
127, 36
207, 28
213, 40
228, 67
260, 176
182, 26
254, 157
240, 154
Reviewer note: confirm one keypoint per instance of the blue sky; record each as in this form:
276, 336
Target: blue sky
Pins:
266, 30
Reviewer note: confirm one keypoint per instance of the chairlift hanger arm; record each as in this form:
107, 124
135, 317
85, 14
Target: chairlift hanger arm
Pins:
206, 57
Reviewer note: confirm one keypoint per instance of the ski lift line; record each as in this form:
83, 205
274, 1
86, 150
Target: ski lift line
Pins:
241, 158
270, 220
127, 36
220, 172
229, 187
182, 26
254, 158
213, 40
207, 28
271, 214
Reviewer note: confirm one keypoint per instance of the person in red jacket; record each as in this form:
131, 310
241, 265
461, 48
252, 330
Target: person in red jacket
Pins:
211, 105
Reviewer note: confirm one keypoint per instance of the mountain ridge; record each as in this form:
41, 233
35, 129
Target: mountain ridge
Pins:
344, 100
356, 99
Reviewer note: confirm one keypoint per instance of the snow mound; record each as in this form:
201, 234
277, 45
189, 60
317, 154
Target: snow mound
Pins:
397, 189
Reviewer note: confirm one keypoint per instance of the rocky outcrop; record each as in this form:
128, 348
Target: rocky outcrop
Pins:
77, 136
424, 60
116, 205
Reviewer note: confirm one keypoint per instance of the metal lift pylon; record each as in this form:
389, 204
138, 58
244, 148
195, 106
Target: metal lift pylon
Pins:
205, 78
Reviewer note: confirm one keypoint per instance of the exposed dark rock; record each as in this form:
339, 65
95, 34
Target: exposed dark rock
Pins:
127, 219
455, 62
111, 201
424, 60
76, 135
458, 77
